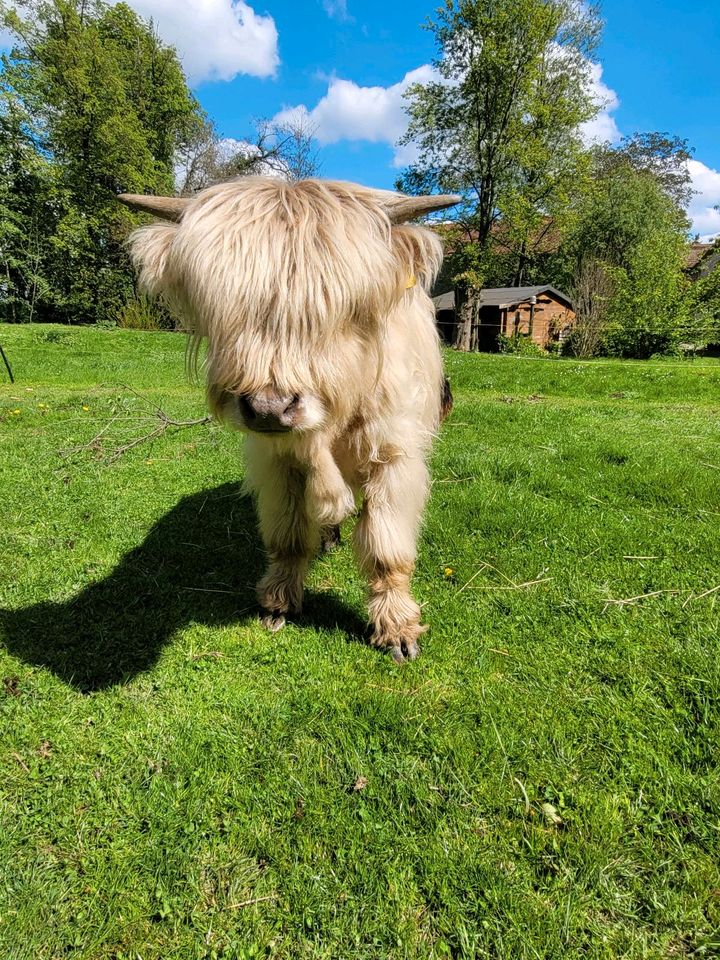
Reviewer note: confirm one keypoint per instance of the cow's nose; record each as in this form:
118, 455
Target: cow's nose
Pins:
269, 411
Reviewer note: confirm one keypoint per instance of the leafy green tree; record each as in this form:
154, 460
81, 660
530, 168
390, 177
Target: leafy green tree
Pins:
660, 154
649, 312
633, 232
704, 306
106, 107
26, 186
501, 122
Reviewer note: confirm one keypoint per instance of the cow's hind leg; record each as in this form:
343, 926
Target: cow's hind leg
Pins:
291, 539
385, 539
330, 538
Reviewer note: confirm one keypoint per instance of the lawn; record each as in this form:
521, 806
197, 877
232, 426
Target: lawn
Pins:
542, 782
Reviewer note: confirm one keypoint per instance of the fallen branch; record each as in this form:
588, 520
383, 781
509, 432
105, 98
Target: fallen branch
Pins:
164, 423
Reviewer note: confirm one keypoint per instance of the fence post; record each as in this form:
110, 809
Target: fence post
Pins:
7, 364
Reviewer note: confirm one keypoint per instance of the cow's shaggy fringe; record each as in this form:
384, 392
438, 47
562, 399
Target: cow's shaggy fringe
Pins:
307, 288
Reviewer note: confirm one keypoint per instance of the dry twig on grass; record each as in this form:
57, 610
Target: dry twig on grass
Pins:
250, 903
516, 586
626, 601
700, 596
100, 442
16, 756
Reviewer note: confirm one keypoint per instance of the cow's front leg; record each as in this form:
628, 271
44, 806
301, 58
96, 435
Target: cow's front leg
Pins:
291, 539
385, 539
329, 499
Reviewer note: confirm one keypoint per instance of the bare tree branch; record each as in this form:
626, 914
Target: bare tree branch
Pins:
109, 451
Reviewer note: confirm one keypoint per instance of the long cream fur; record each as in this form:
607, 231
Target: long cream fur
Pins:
307, 288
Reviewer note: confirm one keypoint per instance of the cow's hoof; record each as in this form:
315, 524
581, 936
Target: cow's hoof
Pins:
405, 650
401, 648
273, 620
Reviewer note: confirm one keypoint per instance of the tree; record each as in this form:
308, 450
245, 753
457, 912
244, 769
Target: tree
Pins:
704, 307
26, 185
592, 292
661, 154
103, 105
634, 235
297, 148
286, 150
501, 122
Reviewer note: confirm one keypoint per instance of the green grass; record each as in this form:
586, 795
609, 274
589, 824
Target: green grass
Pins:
177, 783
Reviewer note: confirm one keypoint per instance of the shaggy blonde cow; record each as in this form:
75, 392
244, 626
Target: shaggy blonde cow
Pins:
313, 299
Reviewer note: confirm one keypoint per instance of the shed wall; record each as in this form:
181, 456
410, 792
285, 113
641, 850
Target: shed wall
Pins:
551, 317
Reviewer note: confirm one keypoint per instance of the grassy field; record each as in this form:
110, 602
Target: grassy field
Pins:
542, 782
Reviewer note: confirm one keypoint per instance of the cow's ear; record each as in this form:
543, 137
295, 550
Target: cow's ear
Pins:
149, 250
420, 253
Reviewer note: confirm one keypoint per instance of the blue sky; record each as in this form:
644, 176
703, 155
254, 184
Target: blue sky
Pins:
346, 62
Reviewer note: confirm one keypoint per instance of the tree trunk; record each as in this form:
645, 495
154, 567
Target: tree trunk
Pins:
522, 263
467, 316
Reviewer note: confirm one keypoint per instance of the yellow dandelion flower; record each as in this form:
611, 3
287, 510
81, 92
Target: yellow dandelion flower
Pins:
449, 571
85, 406
17, 411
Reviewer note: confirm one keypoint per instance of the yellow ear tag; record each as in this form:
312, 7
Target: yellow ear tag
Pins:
411, 281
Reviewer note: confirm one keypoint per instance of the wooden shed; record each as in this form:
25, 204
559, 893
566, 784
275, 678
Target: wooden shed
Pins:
541, 313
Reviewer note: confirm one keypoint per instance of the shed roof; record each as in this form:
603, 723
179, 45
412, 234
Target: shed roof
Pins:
446, 301
698, 250
504, 296
547, 238
704, 259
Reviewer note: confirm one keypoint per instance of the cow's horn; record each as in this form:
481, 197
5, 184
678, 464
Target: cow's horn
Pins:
410, 208
167, 208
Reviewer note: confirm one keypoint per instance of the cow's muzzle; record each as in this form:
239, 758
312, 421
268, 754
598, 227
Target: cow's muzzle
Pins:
269, 411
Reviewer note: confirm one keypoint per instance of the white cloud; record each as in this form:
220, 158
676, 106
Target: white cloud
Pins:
706, 183
229, 147
602, 128
336, 9
351, 112
215, 39
405, 155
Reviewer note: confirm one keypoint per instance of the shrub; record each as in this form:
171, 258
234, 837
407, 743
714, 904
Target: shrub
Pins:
141, 313
521, 346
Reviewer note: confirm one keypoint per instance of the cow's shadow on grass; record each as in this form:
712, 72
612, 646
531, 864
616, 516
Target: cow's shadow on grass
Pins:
198, 564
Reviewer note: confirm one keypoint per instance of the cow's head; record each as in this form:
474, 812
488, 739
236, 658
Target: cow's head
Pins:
290, 283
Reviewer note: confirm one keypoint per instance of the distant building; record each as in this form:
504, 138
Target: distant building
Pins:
702, 259
542, 313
